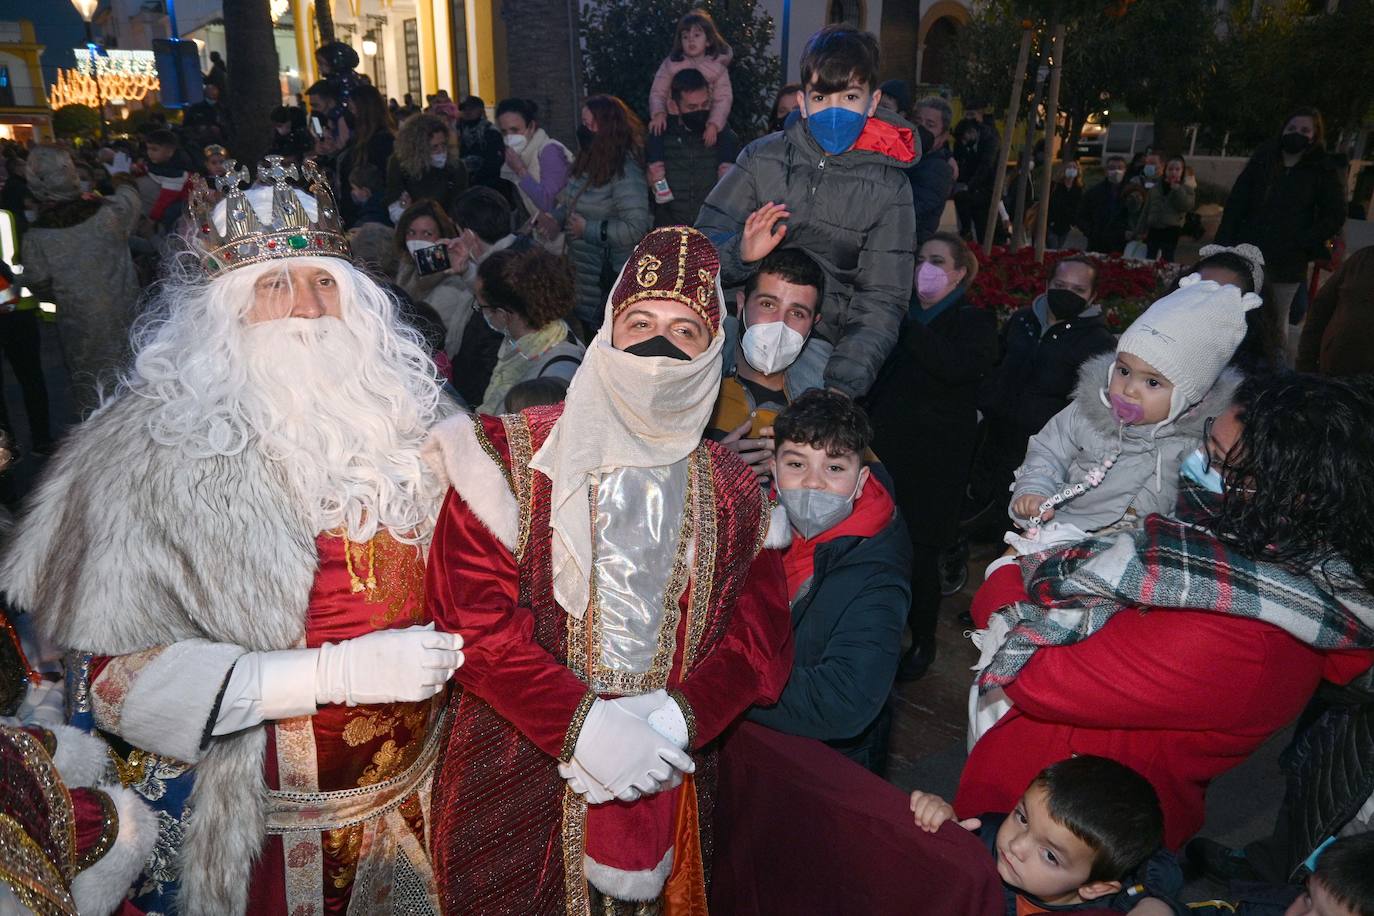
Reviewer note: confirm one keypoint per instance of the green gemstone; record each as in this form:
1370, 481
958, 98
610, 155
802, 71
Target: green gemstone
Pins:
296, 241
212, 263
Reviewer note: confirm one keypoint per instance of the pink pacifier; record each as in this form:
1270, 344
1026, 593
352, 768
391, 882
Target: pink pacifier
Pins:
1125, 411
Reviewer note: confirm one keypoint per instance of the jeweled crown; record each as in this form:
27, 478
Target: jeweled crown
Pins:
246, 239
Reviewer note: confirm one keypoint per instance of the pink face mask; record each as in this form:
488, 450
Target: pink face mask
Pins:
1126, 412
931, 282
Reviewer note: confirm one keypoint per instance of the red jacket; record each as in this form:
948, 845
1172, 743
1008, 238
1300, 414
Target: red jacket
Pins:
1180, 696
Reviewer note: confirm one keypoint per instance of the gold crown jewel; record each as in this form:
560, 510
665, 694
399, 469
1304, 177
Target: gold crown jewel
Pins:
291, 233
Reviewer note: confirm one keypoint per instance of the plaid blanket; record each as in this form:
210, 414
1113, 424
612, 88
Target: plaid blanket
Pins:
1171, 564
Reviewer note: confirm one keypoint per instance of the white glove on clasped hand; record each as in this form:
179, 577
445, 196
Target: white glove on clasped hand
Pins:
388, 666
624, 754
582, 783
661, 712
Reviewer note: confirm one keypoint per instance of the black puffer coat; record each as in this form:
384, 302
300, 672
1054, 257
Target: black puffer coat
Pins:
1289, 214
851, 212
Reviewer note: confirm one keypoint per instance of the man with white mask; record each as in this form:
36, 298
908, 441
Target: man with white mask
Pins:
618, 570
778, 308
232, 549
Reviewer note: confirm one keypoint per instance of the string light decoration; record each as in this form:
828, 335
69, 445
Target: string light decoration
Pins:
127, 75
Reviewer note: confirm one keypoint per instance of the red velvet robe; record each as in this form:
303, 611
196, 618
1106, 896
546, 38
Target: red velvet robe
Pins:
508, 835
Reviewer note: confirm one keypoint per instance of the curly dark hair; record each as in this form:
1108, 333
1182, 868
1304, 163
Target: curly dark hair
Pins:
619, 136
531, 282
824, 419
1301, 476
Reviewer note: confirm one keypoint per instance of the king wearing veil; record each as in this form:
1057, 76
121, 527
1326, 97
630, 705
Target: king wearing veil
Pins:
232, 550
616, 578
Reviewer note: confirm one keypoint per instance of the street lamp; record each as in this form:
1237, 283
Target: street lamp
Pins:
86, 9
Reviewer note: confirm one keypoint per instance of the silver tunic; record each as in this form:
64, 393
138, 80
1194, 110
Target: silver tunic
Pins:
639, 519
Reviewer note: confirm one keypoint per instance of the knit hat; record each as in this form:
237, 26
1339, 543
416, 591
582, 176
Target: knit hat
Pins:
1190, 335
676, 263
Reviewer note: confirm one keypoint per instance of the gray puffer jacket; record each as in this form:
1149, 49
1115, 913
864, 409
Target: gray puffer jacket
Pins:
851, 212
620, 208
1144, 477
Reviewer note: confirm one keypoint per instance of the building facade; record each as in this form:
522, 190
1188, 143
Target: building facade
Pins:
24, 112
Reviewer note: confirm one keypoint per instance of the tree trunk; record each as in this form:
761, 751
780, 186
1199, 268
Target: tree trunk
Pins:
1042, 222
544, 61
1170, 133
1025, 168
324, 20
999, 181
253, 72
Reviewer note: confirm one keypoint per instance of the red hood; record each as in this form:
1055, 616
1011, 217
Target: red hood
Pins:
872, 512
888, 139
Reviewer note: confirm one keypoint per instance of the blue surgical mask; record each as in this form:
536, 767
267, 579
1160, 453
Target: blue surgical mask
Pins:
1150, 171
836, 128
1195, 469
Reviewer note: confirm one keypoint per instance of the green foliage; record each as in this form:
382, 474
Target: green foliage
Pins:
75, 121
1176, 60
626, 40
1282, 59
1150, 56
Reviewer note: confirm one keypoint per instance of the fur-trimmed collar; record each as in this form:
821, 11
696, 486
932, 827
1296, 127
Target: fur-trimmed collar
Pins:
1092, 382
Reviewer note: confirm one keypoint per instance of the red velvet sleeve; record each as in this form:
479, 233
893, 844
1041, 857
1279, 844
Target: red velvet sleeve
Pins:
471, 587
751, 663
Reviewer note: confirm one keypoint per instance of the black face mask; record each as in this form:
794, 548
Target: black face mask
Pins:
1065, 303
584, 136
1294, 143
695, 121
657, 346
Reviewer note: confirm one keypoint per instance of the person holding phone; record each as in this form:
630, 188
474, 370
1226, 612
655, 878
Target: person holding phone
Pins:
433, 258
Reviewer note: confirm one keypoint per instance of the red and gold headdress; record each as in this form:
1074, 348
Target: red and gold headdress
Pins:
267, 222
676, 263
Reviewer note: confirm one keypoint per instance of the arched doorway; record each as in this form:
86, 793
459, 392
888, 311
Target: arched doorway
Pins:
939, 47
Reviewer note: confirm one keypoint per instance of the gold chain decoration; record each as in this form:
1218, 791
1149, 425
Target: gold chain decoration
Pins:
357, 583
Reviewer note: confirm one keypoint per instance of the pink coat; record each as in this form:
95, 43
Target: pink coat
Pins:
717, 73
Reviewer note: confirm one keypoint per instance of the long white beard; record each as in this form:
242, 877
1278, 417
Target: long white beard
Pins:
347, 445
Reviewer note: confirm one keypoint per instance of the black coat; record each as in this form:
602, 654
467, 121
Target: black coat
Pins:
924, 414
932, 179
1289, 214
847, 635
1064, 202
1038, 370
1104, 217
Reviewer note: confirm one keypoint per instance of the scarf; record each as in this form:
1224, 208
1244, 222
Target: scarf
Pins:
513, 360
925, 316
1172, 563
622, 411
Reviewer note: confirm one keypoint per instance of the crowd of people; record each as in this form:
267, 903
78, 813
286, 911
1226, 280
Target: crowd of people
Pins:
447, 500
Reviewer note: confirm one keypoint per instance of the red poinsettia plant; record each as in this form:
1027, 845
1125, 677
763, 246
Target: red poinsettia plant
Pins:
1009, 280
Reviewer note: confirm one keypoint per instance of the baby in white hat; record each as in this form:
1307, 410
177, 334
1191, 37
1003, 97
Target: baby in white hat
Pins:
1113, 455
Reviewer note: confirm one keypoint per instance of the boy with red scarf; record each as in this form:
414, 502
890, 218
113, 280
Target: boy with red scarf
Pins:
848, 577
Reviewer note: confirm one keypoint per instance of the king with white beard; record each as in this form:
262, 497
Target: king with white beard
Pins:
233, 551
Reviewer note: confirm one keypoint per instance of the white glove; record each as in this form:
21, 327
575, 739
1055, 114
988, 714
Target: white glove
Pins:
387, 666
621, 752
661, 712
582, 783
